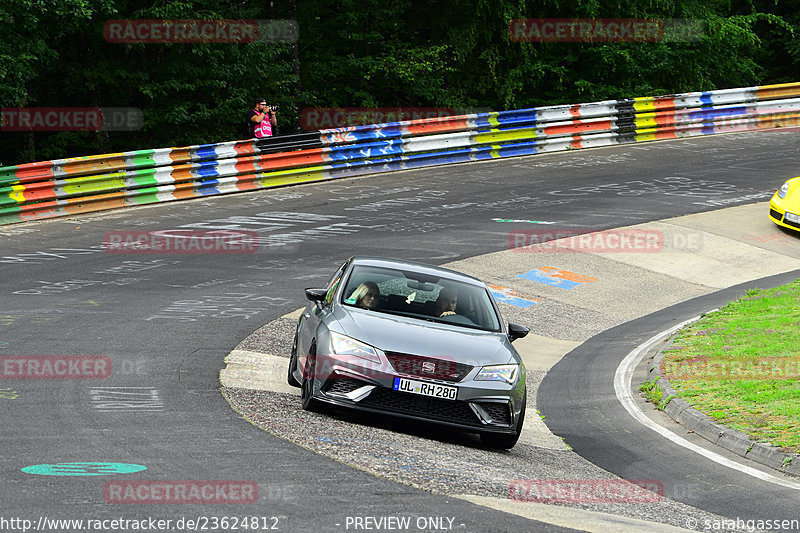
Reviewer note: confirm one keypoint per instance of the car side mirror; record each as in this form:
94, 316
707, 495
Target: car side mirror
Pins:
317, 295
517, 331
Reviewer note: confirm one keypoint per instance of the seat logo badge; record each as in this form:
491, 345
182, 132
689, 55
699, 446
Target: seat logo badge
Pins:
428, 367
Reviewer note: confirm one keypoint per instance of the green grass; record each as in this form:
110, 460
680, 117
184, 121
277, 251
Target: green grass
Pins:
653, 393
741, 365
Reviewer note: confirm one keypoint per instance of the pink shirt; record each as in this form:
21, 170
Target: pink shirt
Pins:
263, 128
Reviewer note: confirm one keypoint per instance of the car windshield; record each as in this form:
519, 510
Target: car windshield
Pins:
417, 295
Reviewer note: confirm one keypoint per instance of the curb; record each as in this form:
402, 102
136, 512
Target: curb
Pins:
728, 438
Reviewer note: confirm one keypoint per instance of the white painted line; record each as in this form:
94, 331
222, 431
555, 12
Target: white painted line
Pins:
622, 387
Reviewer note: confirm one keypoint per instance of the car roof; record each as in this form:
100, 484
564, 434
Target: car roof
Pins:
388, 262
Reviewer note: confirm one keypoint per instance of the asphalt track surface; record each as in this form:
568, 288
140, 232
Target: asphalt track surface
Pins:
166, 321
578, 401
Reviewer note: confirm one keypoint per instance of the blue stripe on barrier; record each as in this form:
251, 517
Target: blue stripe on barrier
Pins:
712, 113
208, 187
206, 169
706, 98
206, 151
365, 150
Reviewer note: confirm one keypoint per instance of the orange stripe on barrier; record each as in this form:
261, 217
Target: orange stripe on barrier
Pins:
39, 191
247, 148
182, 173
34, 171
290, 159
184, 191
180, 155
666, 134
88, 165
436, 125
664, 103
100, 202
247, 164
38, 211
579, 127
664, 118
781, 90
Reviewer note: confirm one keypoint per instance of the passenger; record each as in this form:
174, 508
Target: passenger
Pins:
446, 302
366, 295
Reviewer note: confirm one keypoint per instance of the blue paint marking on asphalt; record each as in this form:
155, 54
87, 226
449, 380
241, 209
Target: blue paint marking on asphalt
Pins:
542, 277
83, 469
505, 298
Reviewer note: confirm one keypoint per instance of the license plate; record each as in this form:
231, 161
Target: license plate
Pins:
432, 390
792, 217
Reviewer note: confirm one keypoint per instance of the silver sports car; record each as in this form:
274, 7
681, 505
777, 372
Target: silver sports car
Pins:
413, 341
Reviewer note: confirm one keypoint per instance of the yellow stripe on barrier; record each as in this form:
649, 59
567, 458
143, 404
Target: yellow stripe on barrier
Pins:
18, 194
646, 103
505, 135
648, 120
780, 90
92, 184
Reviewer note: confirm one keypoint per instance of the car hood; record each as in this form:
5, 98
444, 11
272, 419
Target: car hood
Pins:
392, 333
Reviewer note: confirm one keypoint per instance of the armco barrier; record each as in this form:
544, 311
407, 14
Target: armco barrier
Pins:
80, 185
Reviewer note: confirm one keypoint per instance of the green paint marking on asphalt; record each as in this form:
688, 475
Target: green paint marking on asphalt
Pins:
83, 469
522, 221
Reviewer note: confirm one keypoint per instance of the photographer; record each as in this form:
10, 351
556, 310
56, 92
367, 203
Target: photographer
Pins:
261, 119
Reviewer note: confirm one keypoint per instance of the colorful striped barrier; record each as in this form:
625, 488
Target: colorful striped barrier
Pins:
85, 184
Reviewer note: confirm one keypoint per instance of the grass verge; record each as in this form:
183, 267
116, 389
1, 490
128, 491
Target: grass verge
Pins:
741, 365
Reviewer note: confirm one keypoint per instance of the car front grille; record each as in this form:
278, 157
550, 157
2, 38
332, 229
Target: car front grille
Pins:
428, 367
339, 384
410, 404
790, 223
774, 214
499, 412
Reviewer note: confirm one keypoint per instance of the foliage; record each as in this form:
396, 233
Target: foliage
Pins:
365, 53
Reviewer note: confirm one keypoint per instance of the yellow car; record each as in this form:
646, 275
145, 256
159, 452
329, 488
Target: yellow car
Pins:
784, 208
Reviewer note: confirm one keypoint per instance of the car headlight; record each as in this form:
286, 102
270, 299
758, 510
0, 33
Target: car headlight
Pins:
344, 345
783, 190
505, 373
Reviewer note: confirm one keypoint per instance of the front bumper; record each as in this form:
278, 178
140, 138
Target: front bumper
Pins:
778, 211
479, 406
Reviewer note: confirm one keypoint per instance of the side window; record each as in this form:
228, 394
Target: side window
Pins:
333, 283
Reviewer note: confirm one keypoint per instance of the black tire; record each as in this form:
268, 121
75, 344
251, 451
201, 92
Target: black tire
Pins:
293, 365
506, 441
307, 386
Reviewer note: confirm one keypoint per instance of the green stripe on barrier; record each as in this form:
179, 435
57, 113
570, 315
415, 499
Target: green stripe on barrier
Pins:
142, 158
144, 176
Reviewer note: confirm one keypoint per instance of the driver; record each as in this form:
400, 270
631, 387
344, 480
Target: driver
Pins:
446, 302
366, 295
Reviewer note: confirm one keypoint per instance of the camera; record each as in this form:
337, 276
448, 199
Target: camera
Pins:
274, 107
